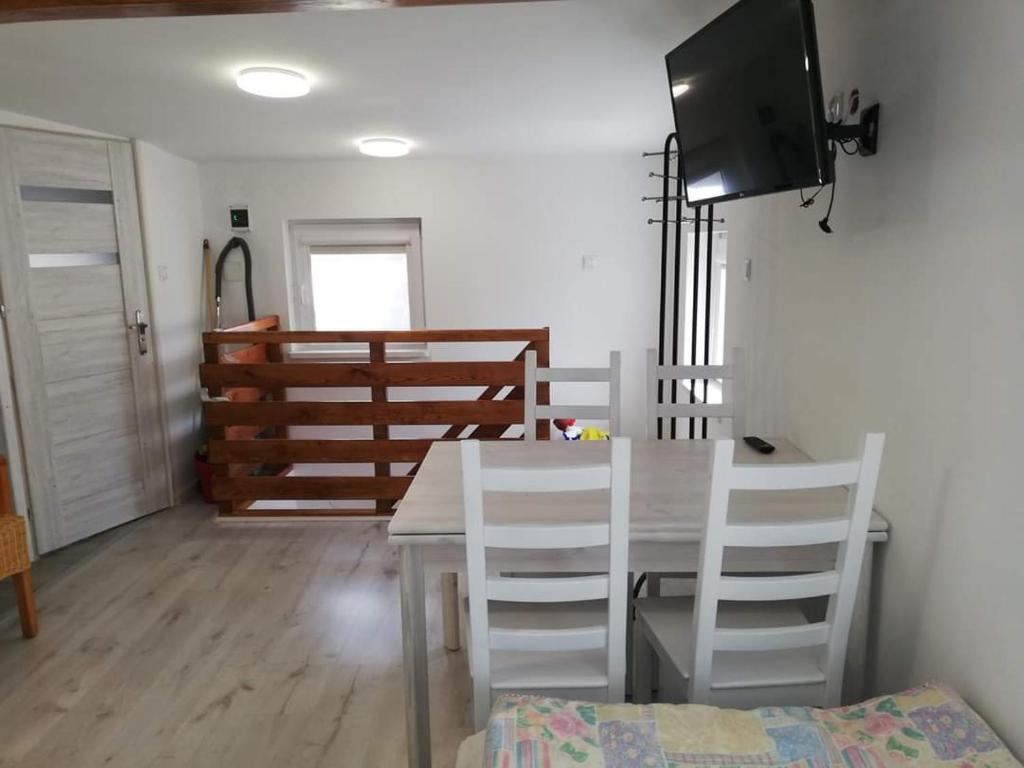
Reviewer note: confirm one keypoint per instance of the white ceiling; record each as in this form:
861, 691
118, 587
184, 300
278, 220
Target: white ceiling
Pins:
566, 76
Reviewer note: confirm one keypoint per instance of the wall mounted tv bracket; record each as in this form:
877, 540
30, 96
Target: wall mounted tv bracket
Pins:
864, 133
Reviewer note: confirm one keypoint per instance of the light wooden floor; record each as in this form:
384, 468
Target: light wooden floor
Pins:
178, 641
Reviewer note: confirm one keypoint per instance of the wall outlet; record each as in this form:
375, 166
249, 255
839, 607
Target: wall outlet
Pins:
589, 263
161, 273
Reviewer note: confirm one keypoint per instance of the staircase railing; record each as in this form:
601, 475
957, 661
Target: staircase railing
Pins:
249, 413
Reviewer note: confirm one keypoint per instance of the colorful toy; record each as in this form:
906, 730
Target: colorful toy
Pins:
570, 431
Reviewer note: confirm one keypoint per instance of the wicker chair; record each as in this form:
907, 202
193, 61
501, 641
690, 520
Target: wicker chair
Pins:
14, 560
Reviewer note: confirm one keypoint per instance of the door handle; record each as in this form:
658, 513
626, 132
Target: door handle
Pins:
140, 326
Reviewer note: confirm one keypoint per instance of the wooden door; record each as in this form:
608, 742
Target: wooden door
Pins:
73, 286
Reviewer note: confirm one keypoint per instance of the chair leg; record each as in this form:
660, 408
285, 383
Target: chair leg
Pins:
481, 705
642, 656
26, 603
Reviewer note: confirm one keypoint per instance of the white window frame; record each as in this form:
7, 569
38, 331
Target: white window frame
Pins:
305, 237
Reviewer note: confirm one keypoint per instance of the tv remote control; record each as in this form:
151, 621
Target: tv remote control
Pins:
759, 445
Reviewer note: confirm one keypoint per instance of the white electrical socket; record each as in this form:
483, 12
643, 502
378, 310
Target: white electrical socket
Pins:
589, 263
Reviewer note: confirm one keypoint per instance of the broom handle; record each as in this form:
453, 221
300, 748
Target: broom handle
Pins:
211, 309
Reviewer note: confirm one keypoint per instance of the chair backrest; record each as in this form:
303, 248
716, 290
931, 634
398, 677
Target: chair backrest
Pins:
696, 378
535, 375
850, 532
485, 586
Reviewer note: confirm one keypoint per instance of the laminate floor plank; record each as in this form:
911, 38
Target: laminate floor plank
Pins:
177, 640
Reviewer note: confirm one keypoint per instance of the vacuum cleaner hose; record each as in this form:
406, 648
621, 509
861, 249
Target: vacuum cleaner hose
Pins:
235, 242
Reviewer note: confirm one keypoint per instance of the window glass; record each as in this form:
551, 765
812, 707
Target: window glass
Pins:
360, 291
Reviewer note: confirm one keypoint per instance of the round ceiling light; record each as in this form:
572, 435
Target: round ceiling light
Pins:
384, 146
273, 82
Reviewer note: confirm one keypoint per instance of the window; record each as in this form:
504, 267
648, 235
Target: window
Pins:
718, 285
357, 276
360, 289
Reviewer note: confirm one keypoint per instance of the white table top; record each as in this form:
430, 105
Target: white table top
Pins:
668, 494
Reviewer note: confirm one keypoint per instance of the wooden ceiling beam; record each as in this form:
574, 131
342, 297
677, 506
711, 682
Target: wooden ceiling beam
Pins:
50, 10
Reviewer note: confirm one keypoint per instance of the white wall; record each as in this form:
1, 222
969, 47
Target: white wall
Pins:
502, 243
909, 320
172, 229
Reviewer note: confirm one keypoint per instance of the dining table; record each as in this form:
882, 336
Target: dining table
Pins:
669, 485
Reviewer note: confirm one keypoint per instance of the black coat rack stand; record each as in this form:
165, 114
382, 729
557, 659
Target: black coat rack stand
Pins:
672, 221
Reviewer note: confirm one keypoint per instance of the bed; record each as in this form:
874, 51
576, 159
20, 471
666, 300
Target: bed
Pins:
925, 726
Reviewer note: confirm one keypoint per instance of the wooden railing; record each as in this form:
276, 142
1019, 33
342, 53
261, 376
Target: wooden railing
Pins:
249, 412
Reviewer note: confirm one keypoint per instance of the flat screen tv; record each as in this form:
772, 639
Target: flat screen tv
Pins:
746, 93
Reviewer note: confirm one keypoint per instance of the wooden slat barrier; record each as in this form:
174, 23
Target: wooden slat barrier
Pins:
318, 451
312, 487
364, 375
248, 354
381, 431
246, 335
249, 412
318, 413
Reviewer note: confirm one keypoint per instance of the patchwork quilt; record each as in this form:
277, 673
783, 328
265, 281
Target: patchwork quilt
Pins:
929, 726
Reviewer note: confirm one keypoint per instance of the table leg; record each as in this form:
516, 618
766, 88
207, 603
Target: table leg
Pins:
450, 610
854, 677
414, 651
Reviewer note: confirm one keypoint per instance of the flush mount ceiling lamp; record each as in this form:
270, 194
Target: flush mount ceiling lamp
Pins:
273, 82
384, 146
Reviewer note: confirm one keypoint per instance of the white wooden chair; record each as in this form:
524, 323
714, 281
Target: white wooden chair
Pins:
534, 375
561, 635
693, 377
738, 644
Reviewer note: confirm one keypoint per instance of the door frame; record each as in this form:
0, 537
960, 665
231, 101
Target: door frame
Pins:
146, 380
154, 322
